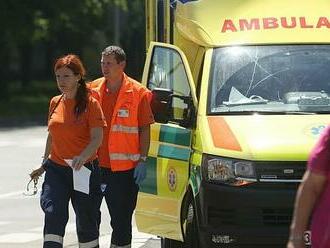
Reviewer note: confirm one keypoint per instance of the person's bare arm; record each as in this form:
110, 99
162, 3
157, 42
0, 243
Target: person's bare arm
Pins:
144, 133
96, 134
38, 172
308, 193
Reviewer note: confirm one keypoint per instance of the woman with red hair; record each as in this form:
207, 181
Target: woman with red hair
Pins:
75, 125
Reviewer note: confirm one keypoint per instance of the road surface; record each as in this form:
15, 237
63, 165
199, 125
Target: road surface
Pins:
21, 219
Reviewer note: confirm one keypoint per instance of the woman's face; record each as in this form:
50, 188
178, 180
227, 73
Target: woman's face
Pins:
67, 81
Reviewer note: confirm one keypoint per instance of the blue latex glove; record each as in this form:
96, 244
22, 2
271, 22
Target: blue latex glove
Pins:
140, 172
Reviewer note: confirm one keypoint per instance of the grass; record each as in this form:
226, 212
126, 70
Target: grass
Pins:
27, 103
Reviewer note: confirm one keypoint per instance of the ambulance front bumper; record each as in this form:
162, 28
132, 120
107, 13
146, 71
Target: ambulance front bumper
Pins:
252, 216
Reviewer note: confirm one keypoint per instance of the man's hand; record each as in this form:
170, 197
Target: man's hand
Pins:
140, 172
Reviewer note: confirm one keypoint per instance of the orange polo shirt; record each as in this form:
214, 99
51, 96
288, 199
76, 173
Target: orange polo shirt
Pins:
70, 135
145, 117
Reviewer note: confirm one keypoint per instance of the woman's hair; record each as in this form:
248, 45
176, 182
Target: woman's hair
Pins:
74, 63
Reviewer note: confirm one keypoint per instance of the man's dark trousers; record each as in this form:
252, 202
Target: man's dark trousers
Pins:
120, 192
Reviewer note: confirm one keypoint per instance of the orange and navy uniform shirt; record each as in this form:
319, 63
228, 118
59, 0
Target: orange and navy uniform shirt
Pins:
145, 118
70, 135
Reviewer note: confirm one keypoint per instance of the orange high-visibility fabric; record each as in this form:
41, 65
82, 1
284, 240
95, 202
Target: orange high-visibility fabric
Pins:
95, 84
71, 135
125, 111
108, 105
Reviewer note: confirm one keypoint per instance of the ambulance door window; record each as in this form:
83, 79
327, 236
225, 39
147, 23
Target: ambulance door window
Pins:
168, 72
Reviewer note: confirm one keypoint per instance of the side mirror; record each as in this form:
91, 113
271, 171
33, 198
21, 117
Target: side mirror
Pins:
161, 104
162, 107
187, 116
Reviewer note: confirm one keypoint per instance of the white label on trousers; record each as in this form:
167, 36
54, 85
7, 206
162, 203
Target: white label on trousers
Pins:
103, 187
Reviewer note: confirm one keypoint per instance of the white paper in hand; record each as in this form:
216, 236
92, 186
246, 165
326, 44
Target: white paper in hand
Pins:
80, 178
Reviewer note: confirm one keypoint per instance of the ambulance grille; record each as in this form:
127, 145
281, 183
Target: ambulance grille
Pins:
250, 217
278, 171
277, 216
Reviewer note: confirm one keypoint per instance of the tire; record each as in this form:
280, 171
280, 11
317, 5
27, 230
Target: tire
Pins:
170, 243
191, 239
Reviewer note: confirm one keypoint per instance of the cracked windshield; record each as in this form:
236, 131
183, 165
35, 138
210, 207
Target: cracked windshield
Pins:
271, 79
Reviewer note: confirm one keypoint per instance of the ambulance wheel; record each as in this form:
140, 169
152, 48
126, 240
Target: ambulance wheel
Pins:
170, 243
191, 239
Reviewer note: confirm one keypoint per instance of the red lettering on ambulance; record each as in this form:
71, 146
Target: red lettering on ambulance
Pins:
323, 21
303, 23
284, 22
270, 22
246, 25
228, 25
273, 23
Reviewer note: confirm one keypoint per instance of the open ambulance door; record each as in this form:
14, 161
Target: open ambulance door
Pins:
168, 76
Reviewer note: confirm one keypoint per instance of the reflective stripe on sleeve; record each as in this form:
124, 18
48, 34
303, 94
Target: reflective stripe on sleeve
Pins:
124, 129
124, 156
53, 238
90, 244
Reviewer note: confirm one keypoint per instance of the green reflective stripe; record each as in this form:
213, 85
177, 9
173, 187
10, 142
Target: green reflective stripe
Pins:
174, 135
195, 171
53, 238
124, 129
195, 178
149, 185
166, 151
124, 156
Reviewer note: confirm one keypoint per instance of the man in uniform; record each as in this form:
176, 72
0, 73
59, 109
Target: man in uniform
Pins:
123, 153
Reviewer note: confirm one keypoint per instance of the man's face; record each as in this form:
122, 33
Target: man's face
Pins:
111, 69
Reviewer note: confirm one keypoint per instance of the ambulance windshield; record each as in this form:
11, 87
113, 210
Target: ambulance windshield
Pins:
270, 79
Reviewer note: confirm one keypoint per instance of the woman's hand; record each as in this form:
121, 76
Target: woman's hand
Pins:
78, 162
35, 174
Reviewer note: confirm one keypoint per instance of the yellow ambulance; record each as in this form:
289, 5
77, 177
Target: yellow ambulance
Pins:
240, 95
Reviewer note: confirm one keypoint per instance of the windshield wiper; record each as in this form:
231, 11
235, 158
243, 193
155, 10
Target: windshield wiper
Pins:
255, 112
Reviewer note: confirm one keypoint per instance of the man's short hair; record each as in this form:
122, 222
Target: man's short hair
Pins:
117, 51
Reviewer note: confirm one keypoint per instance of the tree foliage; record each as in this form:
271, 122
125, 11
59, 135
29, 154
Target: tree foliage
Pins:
34, 32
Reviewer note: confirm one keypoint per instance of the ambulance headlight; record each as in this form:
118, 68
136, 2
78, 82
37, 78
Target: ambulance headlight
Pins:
228, 171
220, 170
244, 170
